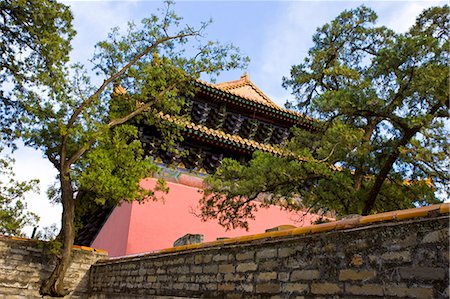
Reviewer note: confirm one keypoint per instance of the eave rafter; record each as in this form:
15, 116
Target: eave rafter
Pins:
230, 141
272, 111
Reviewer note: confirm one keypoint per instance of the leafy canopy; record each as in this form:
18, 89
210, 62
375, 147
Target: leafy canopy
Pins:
88, 132
34, 45
77, 124
382, 100
34, 41
13, 209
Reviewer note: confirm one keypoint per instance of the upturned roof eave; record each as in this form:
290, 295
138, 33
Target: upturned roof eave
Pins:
214, 136
275, 111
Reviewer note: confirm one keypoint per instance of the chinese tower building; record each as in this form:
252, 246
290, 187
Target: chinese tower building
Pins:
227, 120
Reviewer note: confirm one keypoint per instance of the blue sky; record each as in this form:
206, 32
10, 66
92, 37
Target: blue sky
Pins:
274, 34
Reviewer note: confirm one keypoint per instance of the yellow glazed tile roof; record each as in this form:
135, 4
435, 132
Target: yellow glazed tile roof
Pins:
244, 89
434, 210
247, 90
221, 135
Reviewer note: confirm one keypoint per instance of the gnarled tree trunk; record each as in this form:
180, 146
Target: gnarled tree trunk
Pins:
54, 285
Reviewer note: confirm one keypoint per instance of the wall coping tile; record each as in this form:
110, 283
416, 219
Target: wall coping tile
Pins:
343, 224
34, 242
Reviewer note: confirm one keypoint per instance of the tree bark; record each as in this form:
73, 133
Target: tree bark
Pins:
359, 173
387, 166
54, 285
381, 177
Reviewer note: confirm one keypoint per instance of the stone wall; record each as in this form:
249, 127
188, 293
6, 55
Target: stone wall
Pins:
24, 264
401, 255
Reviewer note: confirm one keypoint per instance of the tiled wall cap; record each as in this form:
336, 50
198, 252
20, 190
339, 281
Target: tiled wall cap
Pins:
85, 248
281, 233
21, 239
324, 227
344, 224
378, 217
74, 247
348, 223
445, 208
418, 212
17, 238
301, 230
280, 227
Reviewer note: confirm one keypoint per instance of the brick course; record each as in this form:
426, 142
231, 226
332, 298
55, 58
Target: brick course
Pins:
24, 264
368, 257
385, 259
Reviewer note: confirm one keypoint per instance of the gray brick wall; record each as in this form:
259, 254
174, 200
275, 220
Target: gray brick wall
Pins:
408, 259
24, 264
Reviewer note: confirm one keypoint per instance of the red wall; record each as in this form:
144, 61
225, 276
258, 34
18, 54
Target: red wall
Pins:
136, 228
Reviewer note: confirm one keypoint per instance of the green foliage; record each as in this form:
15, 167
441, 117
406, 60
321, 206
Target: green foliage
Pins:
34, 41
13, 214
114, 167
47, 233
382, 99
266, 177
47, 239
85, 130
81, 128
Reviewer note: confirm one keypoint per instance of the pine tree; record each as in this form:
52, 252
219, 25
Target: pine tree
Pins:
382, 102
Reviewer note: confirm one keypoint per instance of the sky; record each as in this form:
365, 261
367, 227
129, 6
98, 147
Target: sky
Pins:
274, 34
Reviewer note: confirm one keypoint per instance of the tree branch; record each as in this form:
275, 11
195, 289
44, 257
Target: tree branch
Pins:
359, 174
116, 122
330, 154
150, 48
382, 175
382, 115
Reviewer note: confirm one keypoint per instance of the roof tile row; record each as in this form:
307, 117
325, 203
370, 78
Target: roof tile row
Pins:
263, 105
440, 209
222, 136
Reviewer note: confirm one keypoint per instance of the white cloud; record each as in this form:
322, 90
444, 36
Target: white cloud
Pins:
93, 21
288, 40
401, 16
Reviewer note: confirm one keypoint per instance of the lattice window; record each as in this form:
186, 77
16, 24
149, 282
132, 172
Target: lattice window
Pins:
217, 117
264, 133
249, 128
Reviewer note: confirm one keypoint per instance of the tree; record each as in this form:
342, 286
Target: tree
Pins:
13, 209
381, 99
35, 42
85, 131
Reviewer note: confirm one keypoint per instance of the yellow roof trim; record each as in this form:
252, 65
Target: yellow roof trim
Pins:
265, 103
439, 209
222, 135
